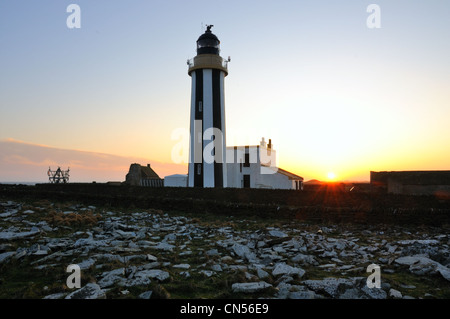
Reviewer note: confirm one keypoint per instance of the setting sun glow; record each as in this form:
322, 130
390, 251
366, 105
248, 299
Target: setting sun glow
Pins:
331, 176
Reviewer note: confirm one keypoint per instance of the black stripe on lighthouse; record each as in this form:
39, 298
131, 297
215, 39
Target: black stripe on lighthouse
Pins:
198, 167
217, 123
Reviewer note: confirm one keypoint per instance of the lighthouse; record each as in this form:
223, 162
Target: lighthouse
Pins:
207, 150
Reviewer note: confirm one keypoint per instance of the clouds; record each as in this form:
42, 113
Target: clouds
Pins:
27, 162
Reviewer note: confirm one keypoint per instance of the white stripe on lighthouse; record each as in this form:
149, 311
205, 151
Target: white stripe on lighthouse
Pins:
208, 168
192, 135
224, 144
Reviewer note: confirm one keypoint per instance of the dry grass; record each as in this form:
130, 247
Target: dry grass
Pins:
87, 218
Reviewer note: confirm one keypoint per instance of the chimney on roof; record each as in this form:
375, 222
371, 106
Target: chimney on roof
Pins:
269, 146
148, 165
263, 142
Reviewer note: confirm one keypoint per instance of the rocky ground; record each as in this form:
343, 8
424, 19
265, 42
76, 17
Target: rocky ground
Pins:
157, 254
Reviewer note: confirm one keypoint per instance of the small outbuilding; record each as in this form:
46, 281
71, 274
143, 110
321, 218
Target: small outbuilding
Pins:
176, 180
139, 175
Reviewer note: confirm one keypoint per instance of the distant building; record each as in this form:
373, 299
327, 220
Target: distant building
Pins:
412, 182
176, 180
313, 185
139, 175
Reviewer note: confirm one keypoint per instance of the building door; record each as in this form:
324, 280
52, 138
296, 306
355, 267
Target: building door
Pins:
246, 181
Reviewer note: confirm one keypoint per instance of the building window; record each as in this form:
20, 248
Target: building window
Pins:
247, 160
199, 169
200, 106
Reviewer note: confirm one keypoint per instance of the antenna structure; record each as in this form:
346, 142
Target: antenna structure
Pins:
58, 176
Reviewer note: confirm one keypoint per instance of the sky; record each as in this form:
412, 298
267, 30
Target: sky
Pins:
333, 95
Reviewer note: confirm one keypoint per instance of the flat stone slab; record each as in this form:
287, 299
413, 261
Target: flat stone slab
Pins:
329, 285
422, 265
277, 233
90, 291
250, 287
243, 252
151, 258
8, 235
157, 274
418, 241
164, 246
182, 266
6, 256
284, 269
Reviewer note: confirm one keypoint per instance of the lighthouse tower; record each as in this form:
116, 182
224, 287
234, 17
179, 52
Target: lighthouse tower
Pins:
207, 164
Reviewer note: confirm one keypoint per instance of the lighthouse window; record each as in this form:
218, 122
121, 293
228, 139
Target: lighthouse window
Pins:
200, 106
211, 43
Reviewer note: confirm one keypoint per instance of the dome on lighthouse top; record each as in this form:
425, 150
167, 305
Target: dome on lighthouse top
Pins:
208, 43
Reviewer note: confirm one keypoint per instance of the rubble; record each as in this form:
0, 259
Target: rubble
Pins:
144, 249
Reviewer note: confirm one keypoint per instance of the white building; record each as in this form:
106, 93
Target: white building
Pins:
251, 166
254, 166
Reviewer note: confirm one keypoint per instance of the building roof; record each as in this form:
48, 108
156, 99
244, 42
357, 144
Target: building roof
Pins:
148, 172
284, 172
289, 174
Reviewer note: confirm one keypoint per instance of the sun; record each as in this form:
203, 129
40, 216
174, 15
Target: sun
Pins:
331, 176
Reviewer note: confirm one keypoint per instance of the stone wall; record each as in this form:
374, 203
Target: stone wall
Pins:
316, 206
